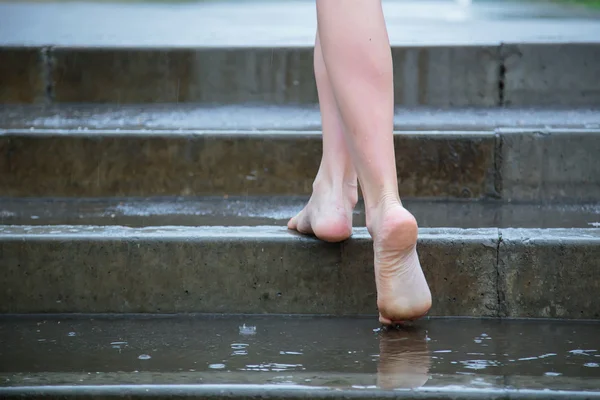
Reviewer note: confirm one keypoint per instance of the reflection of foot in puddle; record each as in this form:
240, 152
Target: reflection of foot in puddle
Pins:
404, 359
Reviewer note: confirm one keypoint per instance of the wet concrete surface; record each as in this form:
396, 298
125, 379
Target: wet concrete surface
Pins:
236, 269
25, 84
270, 23
236, 163
187, 118
486, 272
301, 352
538, 162
276, 211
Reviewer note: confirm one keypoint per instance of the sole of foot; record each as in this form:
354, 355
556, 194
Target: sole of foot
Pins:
402, 291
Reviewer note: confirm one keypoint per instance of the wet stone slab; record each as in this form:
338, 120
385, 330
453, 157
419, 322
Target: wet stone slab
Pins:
536, 75
539, 268
550, 164
446, 76
271, 76
277, 210
238, 163
221, 76
229, 269
22, 76
160, 24
183, 118
283, 357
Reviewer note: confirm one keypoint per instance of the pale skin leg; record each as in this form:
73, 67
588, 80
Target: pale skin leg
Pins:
328, 214
358, 63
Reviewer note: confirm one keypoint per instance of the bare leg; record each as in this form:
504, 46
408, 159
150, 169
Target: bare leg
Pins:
328, 214
358, 60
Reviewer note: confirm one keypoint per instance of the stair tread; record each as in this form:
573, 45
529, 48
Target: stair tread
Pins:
203, 354
281, 233
276, 211
249, 118
289, 24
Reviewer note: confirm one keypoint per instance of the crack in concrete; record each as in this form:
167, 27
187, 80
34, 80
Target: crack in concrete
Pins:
499, 293
47, 55
501, 77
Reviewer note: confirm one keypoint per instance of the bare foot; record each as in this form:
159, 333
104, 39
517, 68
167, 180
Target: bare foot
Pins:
328, 214
402, 291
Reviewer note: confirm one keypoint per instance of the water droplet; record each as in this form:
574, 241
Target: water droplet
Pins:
72, 334
216, 366
591, 365
552, 374
144, 357
247, 330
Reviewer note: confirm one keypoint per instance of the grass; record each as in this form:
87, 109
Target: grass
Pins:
587, 3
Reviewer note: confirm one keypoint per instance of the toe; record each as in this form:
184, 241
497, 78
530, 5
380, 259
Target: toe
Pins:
293, 223
384, 321
304, 226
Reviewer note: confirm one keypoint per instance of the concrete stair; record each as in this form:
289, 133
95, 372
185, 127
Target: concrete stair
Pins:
146, 179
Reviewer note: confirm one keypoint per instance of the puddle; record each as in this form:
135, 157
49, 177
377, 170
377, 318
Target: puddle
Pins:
338, 352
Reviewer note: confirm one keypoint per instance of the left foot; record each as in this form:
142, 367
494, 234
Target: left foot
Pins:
328, 214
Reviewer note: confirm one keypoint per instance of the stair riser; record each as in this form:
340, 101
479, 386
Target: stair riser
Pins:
523, 75
510, 164
529, 273
226, 164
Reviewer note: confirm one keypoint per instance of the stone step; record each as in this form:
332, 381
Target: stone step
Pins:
91, 152
489, 54
277, 210
277, 357
112, 269
438, 76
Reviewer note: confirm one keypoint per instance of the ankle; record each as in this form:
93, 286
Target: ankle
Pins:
387, 214
377, 208
343, 187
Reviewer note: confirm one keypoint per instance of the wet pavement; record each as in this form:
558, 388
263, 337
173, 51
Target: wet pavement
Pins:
276, 211
186, 118
290, 23
301, 352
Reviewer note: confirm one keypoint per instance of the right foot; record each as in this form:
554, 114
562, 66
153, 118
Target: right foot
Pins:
328, 214
402, 291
